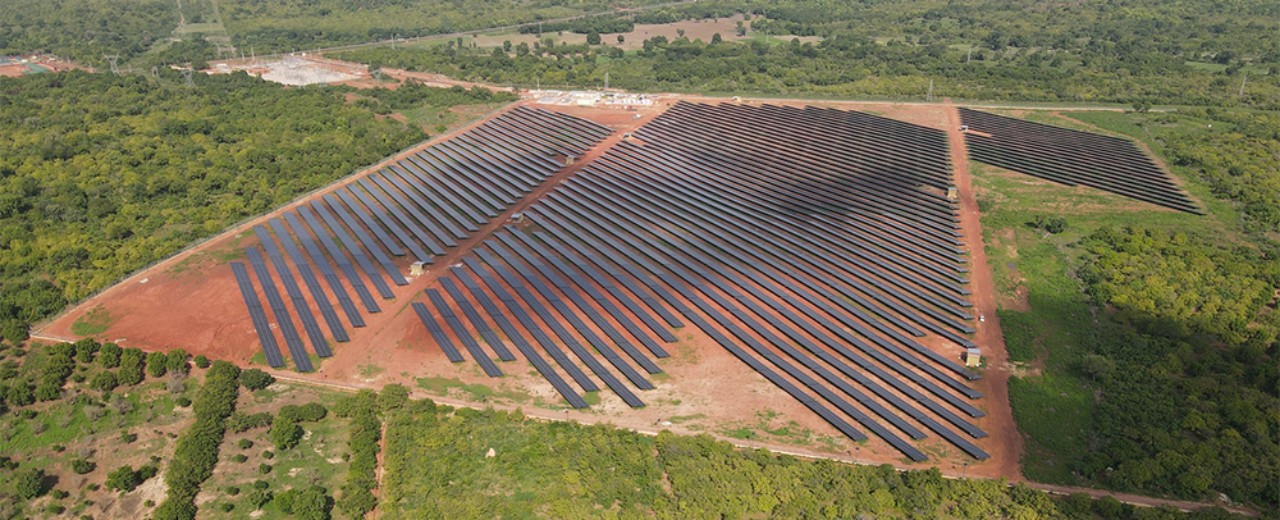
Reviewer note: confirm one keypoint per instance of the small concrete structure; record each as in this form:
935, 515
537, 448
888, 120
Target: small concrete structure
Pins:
952, 193
972, 357
415, 269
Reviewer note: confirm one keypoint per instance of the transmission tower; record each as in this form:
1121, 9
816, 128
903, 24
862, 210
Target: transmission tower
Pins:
113, 59
930, 91
186, 76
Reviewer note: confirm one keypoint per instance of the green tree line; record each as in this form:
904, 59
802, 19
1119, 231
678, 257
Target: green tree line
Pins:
101, 175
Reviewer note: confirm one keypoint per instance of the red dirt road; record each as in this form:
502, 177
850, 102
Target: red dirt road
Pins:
995, 383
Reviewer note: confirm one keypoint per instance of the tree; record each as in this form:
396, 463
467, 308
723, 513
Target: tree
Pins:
284, 432
123, 478
109, 355
593, 38
715, 38
157, 364
103, 382
621, 39
254, 379
393, 397
29, 483
176, 362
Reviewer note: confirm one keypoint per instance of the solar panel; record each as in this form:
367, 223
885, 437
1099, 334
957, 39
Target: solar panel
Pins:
259, 318
460, 330
297, 350
309, 279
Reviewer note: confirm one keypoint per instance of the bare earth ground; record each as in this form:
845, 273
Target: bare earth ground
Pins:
191, 301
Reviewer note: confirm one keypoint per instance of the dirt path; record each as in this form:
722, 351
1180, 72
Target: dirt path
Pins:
1139, 500
995, 382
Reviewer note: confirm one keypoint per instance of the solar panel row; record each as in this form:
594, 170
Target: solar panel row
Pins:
420, 205
814, 245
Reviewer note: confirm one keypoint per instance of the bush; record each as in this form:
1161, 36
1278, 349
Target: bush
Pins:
81, 466
201, 361
21, 393
104, 382
393, 397
29, 483
85, 350
258, 498
245, 444
157, 364
176, 362
55, 509
239, 458
309, 412
226, 507
264, 468
261, 484
123, 478
232, 490
59, 494
268, 454
312, 503
285, 433
109, 355
240, 422
128, 438
254, 379
131, 366
183, 401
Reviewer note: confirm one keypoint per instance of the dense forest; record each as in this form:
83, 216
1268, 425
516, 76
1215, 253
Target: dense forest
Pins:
437, 467
1142, 54
101, 175
85, 30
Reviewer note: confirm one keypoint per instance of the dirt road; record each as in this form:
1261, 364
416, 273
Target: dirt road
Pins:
995, 382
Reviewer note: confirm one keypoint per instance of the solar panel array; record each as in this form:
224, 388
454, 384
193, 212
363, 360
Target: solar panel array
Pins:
817, 246
1072, 157
418, 208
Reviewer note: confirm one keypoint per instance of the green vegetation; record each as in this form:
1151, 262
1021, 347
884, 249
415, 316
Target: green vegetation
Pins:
101, 175
1139, 53
1147, 340
437, 467
92, 323
366, 430
197, 450
85, 29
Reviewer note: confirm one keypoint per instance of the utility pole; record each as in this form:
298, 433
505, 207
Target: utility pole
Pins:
606, 80
969, 58
112, 59
1242, 82
930, 91
186, 76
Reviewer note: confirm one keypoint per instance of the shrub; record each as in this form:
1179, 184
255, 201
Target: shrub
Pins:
81, 466
201, 361
239, 458
264, 468
123, 478
183, 401
240, 422
254, 379
261, 484
29, 483
157, 364
268, 454
226, 507
55, 509
85, 350
232, 490
176, 362
20, 394
312, 503
128, 437
245, 444
258, 498
285, 433
59, 494
109, 355
131, 366
393, 397
104, 381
